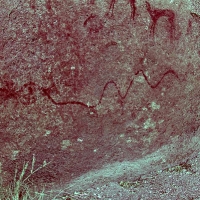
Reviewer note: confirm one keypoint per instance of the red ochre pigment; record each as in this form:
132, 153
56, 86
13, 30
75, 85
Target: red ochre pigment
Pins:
120, 76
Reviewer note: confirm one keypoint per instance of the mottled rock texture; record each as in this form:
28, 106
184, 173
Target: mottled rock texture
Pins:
88, 83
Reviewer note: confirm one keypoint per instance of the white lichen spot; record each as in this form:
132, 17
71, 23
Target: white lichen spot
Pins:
48, 132
155, 106
144, 108
79, 140
139, 79
65, 144
98, 107
163, 91
149, 124
129, 140
72, 67
95, 150
147, 74
161, 121
49, 69
136, 126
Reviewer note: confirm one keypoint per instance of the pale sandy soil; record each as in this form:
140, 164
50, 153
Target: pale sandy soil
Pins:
160, 185
148, 178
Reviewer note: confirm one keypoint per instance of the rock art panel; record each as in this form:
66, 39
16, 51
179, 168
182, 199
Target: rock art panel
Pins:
87, 83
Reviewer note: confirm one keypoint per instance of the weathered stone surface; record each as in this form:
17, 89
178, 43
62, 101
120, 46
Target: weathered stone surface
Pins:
89, 83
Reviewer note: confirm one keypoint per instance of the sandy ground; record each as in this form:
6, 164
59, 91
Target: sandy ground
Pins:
166, 185
144, 179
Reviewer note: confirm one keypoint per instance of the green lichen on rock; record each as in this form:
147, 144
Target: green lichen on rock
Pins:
149, 124
155, 106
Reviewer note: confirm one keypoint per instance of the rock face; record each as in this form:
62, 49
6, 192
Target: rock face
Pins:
87, 83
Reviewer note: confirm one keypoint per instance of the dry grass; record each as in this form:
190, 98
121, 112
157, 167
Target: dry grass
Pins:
19, 189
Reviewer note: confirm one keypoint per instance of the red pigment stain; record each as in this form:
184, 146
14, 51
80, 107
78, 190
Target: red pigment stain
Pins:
53, 39
132, 5
48, 5
91, 2
158, 13
93, 24
27, 93
32, 4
